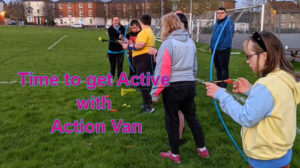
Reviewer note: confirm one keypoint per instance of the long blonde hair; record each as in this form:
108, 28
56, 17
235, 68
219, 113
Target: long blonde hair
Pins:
170, 22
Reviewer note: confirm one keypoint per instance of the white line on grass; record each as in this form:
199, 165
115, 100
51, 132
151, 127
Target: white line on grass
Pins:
157, 39
8, 82
235, 53
49, 48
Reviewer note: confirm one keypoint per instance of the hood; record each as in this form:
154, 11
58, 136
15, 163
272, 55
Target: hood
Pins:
291, 82
180, 35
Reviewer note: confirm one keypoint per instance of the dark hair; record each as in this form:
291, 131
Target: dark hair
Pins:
135, 22
114, 17
276, 55
183, 19
146, 19
222, 8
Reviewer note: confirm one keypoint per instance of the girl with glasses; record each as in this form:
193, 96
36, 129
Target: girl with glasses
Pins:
268, 117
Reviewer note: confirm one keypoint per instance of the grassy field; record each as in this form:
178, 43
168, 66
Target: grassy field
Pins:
28, 113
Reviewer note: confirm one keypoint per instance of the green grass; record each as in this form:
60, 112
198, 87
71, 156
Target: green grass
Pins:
28, 113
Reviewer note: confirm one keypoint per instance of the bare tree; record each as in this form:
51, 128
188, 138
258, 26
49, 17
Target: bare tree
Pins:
254, 2
199, 6
49, 12
16, 10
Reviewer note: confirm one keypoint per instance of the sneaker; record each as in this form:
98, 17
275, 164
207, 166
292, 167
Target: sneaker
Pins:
169, 155
203, 154
149, 110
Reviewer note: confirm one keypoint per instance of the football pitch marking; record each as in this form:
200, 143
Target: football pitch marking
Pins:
49, 48
8, 82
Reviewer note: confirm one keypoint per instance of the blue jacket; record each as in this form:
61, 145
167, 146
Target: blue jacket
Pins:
226, 37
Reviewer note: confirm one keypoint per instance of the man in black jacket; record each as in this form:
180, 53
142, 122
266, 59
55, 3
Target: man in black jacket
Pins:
115, 52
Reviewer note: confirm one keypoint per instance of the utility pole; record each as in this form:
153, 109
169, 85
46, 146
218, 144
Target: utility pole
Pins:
105, 13
146, 7
162, 8
191, 12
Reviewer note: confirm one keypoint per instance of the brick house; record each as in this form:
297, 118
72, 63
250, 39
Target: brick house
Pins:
84, 12
227, 4
282, 15
126, 9
34, 12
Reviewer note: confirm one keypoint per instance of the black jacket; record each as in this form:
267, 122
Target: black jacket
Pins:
114, 36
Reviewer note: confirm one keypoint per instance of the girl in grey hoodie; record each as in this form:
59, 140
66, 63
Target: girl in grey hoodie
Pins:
177, 58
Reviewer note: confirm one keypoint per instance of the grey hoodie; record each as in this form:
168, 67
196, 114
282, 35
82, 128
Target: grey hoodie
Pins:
176, 58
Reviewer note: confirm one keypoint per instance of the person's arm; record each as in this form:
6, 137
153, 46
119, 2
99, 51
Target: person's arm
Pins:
195, 66
228, 35
122, 30
141, 40
258, 105
163, 67
211, 40
233, 28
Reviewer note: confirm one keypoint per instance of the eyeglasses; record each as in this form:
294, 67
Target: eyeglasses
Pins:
257, 38
250, 56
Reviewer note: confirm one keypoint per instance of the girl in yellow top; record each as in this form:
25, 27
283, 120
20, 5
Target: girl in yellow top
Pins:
268, 117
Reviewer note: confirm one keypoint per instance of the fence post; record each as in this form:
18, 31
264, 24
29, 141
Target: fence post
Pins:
198, 31
262, 17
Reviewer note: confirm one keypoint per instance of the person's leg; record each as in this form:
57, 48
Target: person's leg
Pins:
112, 61
189, 111
181, 125
131, 72
224, 65
120, 58
142, 67
217, 64
171, 118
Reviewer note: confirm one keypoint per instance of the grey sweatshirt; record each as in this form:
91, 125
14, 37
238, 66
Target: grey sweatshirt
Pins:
176, 58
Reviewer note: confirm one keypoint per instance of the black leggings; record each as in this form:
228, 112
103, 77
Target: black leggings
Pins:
181, 97
116, 59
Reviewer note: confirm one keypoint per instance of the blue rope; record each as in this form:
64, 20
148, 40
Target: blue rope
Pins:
126, 52
215, 102
115, 52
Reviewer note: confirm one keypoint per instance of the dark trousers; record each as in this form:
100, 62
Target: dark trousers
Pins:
221, 61
143, 64
181, 97
131, 72
116, 59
